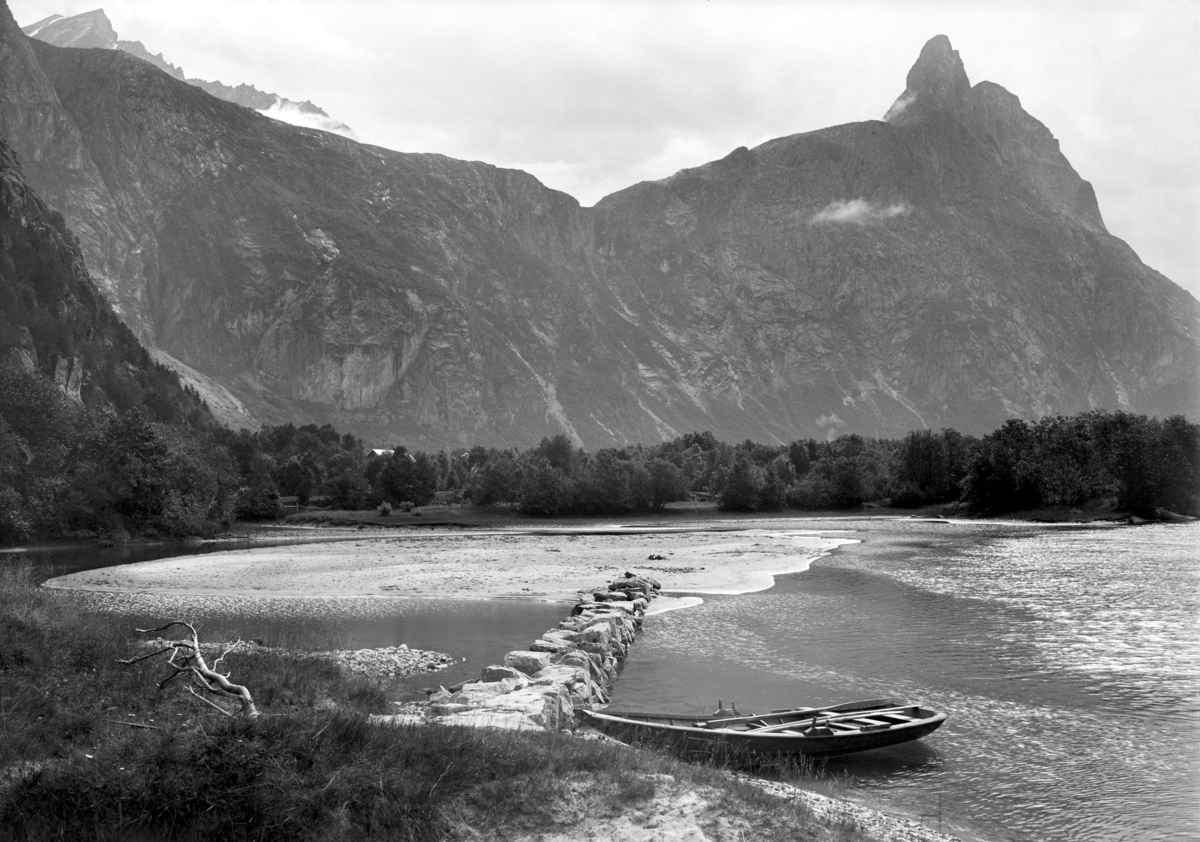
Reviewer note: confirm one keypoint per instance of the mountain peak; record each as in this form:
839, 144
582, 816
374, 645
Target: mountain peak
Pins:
937, 81
939, 71
94, 29
89, 29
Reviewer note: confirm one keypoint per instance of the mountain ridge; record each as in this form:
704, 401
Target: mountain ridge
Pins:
94, 30
945, 269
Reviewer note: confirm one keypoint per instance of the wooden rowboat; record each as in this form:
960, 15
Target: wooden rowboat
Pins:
822, 731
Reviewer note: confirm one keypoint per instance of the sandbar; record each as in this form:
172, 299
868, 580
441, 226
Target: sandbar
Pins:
557, 565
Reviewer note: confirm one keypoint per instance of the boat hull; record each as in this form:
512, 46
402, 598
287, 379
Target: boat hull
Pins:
674, 730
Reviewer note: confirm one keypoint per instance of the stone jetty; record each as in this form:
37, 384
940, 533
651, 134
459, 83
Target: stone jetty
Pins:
567, 668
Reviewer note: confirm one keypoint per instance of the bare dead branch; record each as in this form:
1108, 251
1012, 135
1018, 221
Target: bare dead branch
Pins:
186, 657
189, 626
144, 657
209, 702
235, 645
178, 672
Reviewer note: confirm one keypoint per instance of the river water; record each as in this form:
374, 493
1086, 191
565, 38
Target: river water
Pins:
1067, 658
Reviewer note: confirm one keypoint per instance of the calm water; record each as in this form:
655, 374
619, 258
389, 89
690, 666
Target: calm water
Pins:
477, 633
1067, 658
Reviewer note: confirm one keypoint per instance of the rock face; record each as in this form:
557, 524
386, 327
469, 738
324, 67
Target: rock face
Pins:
943, 267
54, 322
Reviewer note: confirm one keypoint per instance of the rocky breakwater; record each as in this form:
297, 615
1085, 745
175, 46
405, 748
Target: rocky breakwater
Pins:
567, 668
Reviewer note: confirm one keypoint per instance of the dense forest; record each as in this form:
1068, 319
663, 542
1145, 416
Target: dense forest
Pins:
1137, 463
67, 469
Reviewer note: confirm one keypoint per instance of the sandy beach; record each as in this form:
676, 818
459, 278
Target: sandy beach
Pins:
552, 565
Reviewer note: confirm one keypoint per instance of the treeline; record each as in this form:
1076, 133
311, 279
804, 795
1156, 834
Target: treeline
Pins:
64, 469
1140, 464
67, 468
1144, 464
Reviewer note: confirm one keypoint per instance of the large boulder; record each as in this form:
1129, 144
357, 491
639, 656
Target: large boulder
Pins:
551, 644
641, 577
577, 658
508, 720
610, 596
576, 679
636, 584
527, 662
630, 607
600, 633
548, 706
481, 691
499, 673
584, 607
449, 708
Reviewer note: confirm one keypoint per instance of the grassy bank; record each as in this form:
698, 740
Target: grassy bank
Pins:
90, 748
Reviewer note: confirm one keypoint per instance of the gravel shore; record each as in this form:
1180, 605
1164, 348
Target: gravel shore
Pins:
547, 565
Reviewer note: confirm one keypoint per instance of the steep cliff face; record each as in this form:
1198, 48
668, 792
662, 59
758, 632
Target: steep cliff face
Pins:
319, 278
943, 267
54, 322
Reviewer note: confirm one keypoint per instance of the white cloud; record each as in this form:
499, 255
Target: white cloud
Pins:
858, 212
289, 112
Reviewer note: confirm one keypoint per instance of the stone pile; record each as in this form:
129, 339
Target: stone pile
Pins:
383, 663
389, 661
568, 667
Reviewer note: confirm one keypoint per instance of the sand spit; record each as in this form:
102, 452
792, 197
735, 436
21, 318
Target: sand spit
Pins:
556, 565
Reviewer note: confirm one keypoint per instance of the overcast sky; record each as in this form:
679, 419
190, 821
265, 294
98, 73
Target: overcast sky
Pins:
594, 96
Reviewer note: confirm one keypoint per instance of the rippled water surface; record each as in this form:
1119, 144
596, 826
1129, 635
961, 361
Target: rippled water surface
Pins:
1068, 659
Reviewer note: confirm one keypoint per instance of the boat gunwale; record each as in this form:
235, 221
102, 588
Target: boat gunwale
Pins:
623, 718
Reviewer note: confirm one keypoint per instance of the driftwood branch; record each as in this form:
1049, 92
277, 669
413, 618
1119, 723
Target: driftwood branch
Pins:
186, 659
133, 724
221, 657
209, 702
